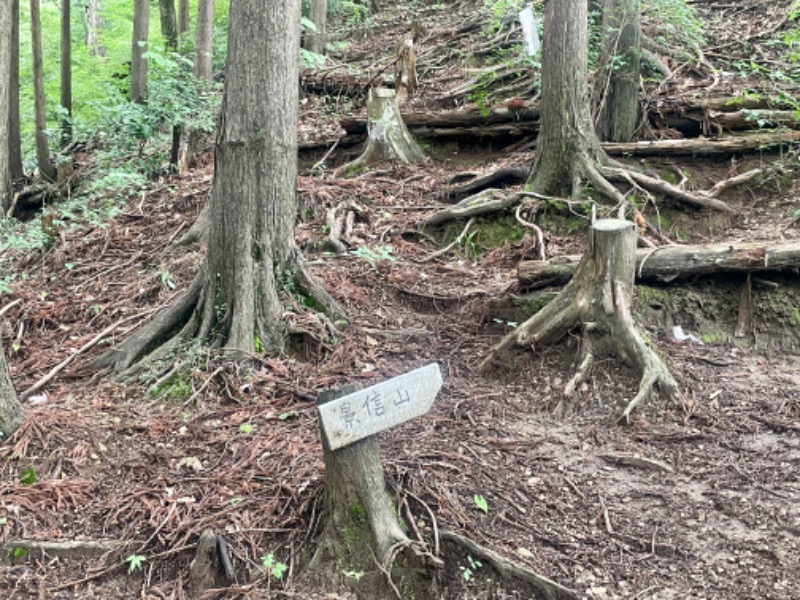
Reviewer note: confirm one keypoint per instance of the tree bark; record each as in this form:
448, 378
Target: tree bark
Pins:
314, 41
617, 92
256, 161
11, 413
204, 40
14, 138
183, 17
668, 263
566, 141
598, 299
66, 71
141, 25
169, 24
46, 167
94, 26
6, 14
234, 302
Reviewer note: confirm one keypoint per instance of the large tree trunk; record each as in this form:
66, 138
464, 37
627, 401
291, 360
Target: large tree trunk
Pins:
66, 71
14, 139
183, 16
566, 140
141, 24
5, 66
11, 414
314, 41
234, 301
204, 40
169, 24
256, 162
94, 26
617, 89
42, 147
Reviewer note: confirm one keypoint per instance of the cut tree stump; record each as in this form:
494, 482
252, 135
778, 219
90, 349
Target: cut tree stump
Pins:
388, 137
209, 567
668, 263
597, 300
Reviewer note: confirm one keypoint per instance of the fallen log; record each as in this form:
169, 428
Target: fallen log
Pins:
453, 119
667, 263
720, 103
728, 145
696, 122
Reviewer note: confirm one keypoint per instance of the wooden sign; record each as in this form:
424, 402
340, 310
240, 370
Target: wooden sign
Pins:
373, 409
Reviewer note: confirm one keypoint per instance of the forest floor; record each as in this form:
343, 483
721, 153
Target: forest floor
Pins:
693, 499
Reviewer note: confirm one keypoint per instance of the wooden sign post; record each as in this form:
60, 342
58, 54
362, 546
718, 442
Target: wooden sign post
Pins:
369, 411
355, 492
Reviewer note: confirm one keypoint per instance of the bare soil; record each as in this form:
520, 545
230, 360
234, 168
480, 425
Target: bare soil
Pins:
694, 499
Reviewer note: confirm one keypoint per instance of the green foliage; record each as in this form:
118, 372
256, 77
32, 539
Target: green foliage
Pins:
92, 76
246, 428
481, 503
176, 388
678, 22
499, 11
275, 568
374, 255
135, 562
352, 11
5, 288
174, 98
468, 572
28, 476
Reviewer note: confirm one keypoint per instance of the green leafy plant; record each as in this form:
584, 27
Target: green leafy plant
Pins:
135, 562
482, 503
28, 476
246, 428
468, 571
374, 255
354, 12
677, 21
275, 568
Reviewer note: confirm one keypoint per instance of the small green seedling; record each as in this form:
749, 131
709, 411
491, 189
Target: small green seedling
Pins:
135, 562
28, 476
482, 504
275, 568
374, 255
473, 565
246, 428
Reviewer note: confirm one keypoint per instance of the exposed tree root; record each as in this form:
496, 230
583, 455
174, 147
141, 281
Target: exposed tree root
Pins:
196, 316
545, 588
598, 300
